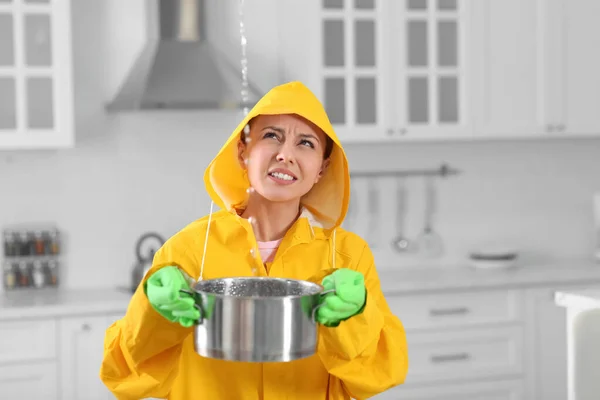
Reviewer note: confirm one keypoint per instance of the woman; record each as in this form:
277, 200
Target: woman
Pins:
282, 183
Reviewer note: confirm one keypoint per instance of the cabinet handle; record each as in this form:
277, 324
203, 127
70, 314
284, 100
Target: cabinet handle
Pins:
86, 327
561, 128
448, 311
390, 131
450, 357
402, 131
550, 128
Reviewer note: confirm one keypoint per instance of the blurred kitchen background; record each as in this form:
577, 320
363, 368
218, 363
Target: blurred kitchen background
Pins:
479, 116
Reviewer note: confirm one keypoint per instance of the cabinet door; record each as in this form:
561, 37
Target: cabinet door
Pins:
29, 381
81, 351
340, 49
36, 94
430, 69
495, 390
571, 33
547, 341
461, 354
506, 68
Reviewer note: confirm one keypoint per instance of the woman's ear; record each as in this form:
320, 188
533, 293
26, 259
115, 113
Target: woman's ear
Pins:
324, 167
242, 154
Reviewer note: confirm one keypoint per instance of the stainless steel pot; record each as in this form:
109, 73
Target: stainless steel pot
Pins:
256, 319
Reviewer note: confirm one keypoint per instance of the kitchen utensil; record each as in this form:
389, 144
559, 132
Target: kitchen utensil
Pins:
596, 213
429, 242
352, 211
374, 208
144, 259
256, 319
400, 243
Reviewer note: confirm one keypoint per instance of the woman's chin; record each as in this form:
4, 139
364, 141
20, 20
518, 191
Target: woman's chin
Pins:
277, 196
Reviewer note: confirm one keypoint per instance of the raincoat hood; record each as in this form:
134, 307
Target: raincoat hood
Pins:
327, 201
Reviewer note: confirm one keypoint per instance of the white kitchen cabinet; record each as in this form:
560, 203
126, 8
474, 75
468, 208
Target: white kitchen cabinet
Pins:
506, 68
465, 354
29, 381
341, 51
547, 341
494, 390
429, 73
548, 346
54, 357
571, 84
81, 352
383, 70
36, 82
28, 359
447, 69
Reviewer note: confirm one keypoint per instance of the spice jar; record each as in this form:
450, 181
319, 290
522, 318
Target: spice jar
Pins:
10, 275
24, 247
39, 280
39, 246
24, 274
10, 244
53, 243
53, 272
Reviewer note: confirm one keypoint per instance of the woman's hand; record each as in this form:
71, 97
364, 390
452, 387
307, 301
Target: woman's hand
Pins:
163, 291
347, 300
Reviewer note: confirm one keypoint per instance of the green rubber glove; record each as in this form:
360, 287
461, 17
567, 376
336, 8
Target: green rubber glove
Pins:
348, 299
162, 289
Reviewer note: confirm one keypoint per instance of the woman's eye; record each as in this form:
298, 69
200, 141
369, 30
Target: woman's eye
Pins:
307, 143
270, 135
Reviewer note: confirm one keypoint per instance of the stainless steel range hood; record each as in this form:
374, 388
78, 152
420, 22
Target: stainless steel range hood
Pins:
178, 68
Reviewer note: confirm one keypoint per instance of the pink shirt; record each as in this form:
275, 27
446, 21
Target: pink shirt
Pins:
267, 250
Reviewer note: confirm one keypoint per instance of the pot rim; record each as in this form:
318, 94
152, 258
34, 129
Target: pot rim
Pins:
320, 287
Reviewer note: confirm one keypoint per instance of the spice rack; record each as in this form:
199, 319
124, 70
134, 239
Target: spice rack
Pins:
31, 257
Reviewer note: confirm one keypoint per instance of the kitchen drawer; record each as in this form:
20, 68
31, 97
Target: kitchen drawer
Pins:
494, 390
36, 380
469, 353
26, 340
439, 310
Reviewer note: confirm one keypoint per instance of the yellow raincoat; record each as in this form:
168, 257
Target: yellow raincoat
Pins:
148, 356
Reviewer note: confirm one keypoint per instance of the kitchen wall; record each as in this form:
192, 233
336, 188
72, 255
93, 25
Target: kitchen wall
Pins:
143, 172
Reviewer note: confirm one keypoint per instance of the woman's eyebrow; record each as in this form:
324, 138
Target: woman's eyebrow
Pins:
309, 136
274, 128
282, 131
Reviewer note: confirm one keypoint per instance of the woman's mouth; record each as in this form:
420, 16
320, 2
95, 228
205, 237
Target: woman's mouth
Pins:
282, 177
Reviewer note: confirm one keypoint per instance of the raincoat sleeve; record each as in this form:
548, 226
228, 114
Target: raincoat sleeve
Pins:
367, 352
141, 351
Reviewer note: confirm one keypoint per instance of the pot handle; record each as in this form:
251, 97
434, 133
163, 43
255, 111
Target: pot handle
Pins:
314, 311
197, 304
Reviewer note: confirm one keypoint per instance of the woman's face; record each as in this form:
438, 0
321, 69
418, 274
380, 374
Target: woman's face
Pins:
283, 156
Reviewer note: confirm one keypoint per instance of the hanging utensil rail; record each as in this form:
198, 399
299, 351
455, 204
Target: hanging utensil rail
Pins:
443, 171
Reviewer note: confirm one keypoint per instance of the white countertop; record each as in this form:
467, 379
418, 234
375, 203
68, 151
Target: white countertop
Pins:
59, 302
580, 299
465, 277
40, 303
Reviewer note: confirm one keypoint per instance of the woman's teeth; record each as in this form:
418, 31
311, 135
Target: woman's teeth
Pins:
279, 175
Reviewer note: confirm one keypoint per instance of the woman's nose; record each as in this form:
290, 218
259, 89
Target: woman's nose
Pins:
286, 154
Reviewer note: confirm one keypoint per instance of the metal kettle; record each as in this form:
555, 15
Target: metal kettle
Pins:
144, 260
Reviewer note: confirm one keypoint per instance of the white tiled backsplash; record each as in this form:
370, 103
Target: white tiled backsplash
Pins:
144, 172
